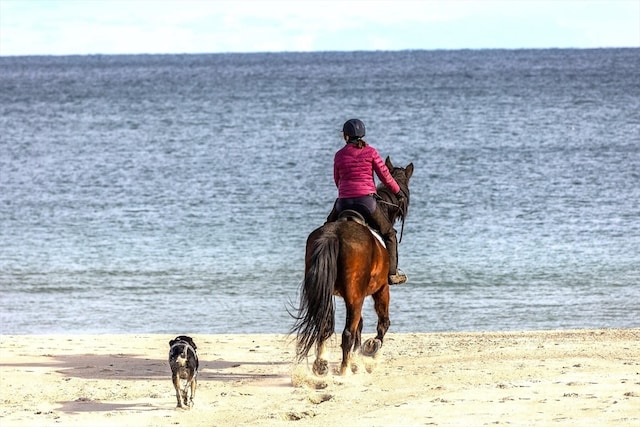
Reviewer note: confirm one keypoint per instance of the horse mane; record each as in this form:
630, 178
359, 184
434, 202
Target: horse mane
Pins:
391, 205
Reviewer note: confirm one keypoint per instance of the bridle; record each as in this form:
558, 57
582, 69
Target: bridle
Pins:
402, 211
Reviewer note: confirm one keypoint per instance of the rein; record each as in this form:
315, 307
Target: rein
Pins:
389, 203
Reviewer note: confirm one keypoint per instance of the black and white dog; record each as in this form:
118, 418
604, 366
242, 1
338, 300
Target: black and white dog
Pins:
183, 360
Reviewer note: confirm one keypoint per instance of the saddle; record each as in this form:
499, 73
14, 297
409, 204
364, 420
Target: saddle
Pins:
354, 215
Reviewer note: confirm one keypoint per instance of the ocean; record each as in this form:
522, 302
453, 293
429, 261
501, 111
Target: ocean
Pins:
174, 193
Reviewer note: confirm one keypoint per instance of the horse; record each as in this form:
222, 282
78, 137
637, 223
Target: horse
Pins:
345, 259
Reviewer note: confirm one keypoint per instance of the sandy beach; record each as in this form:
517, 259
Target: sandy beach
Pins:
559, 378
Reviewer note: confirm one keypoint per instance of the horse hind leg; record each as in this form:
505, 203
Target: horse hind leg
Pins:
321, 364
357, 346
358, 340
351, 336
381, 305
347, 345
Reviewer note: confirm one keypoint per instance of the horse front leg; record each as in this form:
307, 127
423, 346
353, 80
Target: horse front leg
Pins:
381, 305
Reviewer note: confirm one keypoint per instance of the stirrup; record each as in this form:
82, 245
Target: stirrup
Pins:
398, 278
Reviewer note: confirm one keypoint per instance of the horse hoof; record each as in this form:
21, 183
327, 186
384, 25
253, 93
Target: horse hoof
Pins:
371, 347
320, 367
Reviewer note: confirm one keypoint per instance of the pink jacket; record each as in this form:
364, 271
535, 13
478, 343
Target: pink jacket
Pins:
353, 171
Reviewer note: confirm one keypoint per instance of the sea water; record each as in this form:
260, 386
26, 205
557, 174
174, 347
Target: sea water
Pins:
174, 193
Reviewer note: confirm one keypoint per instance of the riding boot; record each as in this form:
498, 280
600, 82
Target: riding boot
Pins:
395, 277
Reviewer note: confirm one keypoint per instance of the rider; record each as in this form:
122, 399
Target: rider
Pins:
353, 168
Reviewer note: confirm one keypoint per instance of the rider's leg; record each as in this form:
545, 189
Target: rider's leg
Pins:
363, 205
389, 235
395, 277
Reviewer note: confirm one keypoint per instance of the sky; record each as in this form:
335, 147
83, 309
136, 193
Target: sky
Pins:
81, 27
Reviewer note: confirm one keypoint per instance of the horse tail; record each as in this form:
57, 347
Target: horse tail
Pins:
316, 314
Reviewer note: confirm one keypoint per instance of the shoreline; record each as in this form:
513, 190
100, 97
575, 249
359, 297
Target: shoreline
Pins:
559, 377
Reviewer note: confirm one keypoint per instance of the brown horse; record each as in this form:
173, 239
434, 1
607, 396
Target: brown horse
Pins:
344, 258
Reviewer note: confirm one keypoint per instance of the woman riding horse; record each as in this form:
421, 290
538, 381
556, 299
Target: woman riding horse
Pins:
343, 258
353, 168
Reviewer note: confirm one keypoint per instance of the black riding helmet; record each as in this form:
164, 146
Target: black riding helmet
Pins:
353, 128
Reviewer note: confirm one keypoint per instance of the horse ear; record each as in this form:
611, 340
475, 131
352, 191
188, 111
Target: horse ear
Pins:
387, 163
409, 170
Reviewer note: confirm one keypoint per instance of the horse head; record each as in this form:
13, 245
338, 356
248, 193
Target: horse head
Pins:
397, 209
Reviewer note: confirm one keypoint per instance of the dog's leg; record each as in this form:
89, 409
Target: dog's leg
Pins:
185, 395
176, 385
193, 391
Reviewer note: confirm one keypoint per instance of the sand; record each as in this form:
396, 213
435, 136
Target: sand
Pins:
549, 378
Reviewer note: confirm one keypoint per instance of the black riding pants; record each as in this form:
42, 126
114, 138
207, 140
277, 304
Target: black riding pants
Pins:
376, 218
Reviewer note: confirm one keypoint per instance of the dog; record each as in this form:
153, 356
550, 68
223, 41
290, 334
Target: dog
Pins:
183, 360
